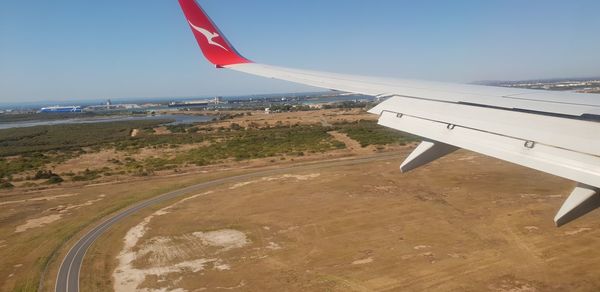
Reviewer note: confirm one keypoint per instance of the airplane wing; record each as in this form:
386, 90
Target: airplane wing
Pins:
553, 132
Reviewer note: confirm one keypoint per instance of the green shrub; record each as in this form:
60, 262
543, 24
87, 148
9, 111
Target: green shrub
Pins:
61, 137
255, 143
177, 128
36, 147
6, 185
44, 174
55, 179
235, 126
369, 133
87, 175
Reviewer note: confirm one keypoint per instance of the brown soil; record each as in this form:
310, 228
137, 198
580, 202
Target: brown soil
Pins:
463, 223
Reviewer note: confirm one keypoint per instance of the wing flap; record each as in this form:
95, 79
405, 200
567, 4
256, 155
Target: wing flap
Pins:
575, 135
576, 166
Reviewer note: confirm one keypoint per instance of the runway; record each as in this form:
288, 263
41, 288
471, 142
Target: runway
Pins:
67, 279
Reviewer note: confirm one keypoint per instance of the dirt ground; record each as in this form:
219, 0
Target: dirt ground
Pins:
463, 223
36, 224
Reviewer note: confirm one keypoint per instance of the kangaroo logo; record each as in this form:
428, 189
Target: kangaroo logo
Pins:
208, 35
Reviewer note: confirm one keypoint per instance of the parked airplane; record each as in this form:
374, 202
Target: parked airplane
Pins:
553, 132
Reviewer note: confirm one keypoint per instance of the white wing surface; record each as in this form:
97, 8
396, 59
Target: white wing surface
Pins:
554, 132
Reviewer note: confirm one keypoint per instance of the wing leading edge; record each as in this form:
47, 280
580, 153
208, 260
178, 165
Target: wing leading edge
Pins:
553, 132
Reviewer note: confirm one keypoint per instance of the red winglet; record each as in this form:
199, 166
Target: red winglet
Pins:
213, 43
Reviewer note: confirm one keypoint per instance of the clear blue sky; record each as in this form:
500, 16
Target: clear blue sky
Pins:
74, 49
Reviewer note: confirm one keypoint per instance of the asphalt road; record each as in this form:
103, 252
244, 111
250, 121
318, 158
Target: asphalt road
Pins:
67, 279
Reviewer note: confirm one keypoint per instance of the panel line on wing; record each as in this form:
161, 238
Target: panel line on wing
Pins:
575, 135
561, 162
454, 126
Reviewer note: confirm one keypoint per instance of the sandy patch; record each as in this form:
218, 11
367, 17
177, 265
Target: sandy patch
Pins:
240, 285
273, 246
350, 143
64, 209
242, 184
289, 229
529, 196
88, 161
383, 188
467, 158
363, 261
47, 198
191, 198
162, 251
137, 276
276, 178
580, 230
61, 209
513, 285
161, 131
420, 247
531, 228
407, 257
227, 238
221, 266
38, 222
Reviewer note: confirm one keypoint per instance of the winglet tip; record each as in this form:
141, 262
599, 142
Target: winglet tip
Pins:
215, 47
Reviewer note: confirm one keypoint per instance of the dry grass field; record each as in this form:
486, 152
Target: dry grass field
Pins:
33, 225
464, 223
38, 221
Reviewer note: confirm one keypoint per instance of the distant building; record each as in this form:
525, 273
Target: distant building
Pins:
196, 103
108, 106
61, 109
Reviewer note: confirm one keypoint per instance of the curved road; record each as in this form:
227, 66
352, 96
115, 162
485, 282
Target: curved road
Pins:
67, 279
